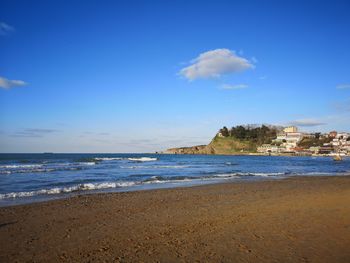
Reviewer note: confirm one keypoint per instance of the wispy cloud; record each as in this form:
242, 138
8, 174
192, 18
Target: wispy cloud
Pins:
343, 86
233, 87
262, 77
5, 29
103, 133
307, 123
8, 84
141, 141
342, 106
94, 133
33, 132
215, 63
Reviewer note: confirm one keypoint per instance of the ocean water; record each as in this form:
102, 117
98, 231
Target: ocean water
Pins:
28, 178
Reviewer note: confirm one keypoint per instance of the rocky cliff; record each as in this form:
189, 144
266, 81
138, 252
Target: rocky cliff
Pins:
238, 140
219, 145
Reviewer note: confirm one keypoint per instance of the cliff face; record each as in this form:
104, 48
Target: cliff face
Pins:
219, 145
237, 140
199, 149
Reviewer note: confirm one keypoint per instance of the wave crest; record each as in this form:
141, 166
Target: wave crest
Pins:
61, 190
143, 159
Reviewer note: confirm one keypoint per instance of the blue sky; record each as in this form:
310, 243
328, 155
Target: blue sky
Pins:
142, 76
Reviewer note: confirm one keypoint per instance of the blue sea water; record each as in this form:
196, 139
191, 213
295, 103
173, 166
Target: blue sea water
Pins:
35, 177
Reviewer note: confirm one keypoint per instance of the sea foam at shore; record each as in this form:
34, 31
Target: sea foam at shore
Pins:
24, 176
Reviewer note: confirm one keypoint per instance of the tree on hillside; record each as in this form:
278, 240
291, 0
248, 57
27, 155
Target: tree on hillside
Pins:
317, 135
263, 134
224, 132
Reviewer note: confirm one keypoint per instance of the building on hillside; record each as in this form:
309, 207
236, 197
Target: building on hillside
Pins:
290, 129
342, 135
345, 148
332, 134
314, 149
289, 140
309, 135
268, 148
335, 142
326, 149
300, 151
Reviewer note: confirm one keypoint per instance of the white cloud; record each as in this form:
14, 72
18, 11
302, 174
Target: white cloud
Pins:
5, 29
33, 132
342, 106
343, 86
307, 123
232, 87
8, 84
215, 63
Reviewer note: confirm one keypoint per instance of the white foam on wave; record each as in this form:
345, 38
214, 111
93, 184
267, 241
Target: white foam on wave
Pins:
228, 175
256, 174
87, 163
75, 188
143, 159
15, 166
230, 163
266, 174
134, 159
43, 168
156, 180
325, 173
224, 176
155, 167
108, 158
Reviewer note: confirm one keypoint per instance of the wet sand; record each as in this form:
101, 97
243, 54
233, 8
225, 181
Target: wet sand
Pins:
304, 219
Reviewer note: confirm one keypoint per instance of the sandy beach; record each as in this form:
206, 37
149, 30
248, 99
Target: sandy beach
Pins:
305, 219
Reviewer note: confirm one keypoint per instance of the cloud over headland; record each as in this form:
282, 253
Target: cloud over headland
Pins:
343, 86
307, 123
37, 132
214, 63
233, 87
8, 84
5, 29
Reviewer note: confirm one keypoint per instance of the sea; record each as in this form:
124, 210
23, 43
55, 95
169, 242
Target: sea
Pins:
27, 178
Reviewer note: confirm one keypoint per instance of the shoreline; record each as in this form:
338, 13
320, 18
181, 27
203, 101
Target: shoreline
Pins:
19, 201
255, 154
297, 219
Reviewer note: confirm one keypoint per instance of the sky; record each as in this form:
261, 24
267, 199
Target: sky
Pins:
143, 76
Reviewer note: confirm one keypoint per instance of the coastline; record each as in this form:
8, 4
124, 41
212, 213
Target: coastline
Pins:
257, 154
297, 219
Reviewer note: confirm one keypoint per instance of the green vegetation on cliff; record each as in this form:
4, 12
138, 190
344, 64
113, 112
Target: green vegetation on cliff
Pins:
255, 134
242, 138
230, 145
312, 142
239, 139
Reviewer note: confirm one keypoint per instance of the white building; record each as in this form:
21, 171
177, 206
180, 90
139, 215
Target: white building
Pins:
268, 148
289, 139
290, 129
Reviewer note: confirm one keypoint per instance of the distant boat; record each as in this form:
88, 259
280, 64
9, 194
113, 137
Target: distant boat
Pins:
337, 158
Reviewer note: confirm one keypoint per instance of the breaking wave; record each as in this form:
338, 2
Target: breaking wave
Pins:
143, 159
16, 166
133, 159
150, 180
155, 167
43, 168
108, 158
61, 190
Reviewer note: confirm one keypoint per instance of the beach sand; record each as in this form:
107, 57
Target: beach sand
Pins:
305, 219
